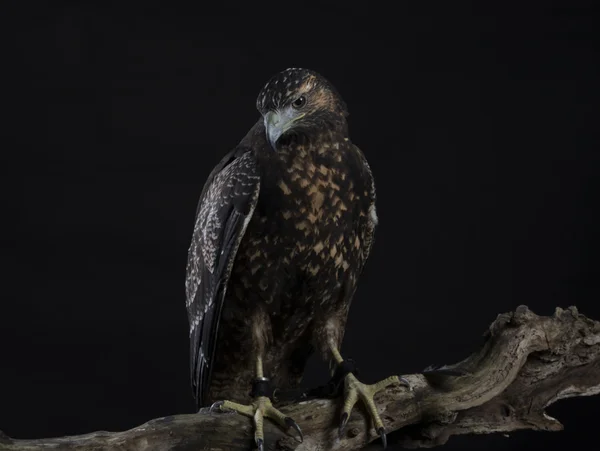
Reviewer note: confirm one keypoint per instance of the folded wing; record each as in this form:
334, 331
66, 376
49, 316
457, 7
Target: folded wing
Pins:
225, 208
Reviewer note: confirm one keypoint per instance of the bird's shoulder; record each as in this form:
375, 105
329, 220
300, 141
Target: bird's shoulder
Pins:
239, 162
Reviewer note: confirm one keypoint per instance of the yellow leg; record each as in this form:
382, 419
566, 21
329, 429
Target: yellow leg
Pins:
355, 390
260, 409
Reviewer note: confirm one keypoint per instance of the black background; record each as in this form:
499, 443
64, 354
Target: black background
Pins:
477, 125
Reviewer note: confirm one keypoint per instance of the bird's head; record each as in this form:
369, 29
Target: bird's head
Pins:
298, 102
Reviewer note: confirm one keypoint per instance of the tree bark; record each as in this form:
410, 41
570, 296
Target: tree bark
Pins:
526, 363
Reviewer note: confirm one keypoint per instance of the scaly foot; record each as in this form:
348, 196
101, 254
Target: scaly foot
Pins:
261, 408
355, 390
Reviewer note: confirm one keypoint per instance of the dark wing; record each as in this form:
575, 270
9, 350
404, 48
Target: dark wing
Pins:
368, 223
226, 205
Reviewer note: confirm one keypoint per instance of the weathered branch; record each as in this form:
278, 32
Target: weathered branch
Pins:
526, 363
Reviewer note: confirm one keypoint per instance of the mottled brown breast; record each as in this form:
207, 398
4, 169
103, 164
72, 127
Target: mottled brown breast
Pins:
311, 225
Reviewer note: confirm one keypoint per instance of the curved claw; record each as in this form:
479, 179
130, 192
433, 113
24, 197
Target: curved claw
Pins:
343, 421
381, 432
404, 381
290, 423
260, 444
215, 405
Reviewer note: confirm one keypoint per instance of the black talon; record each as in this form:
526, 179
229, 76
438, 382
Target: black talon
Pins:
260, 444
405, 382
381, 432
290, 423
214, 405
343, 421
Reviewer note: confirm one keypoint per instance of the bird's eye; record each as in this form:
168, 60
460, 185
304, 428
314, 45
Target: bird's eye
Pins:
299, 102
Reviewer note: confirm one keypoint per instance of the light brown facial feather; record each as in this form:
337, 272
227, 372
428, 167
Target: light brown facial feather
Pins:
319, 98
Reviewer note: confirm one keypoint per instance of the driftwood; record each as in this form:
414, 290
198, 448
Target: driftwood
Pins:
526, 363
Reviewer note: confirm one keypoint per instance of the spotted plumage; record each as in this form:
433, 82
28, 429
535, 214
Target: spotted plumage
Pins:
284, 226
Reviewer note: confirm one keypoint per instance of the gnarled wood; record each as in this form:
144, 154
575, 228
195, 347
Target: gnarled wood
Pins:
526, 363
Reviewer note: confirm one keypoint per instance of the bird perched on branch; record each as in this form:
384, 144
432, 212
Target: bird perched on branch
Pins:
283, 228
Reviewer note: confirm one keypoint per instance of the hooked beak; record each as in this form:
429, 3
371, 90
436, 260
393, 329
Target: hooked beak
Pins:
279, 122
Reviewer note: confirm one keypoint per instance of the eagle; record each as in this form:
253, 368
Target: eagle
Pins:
283, 229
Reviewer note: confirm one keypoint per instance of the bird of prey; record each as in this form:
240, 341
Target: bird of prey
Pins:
283, 228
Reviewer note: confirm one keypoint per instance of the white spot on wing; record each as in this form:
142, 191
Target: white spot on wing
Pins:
373, 215
194, 322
